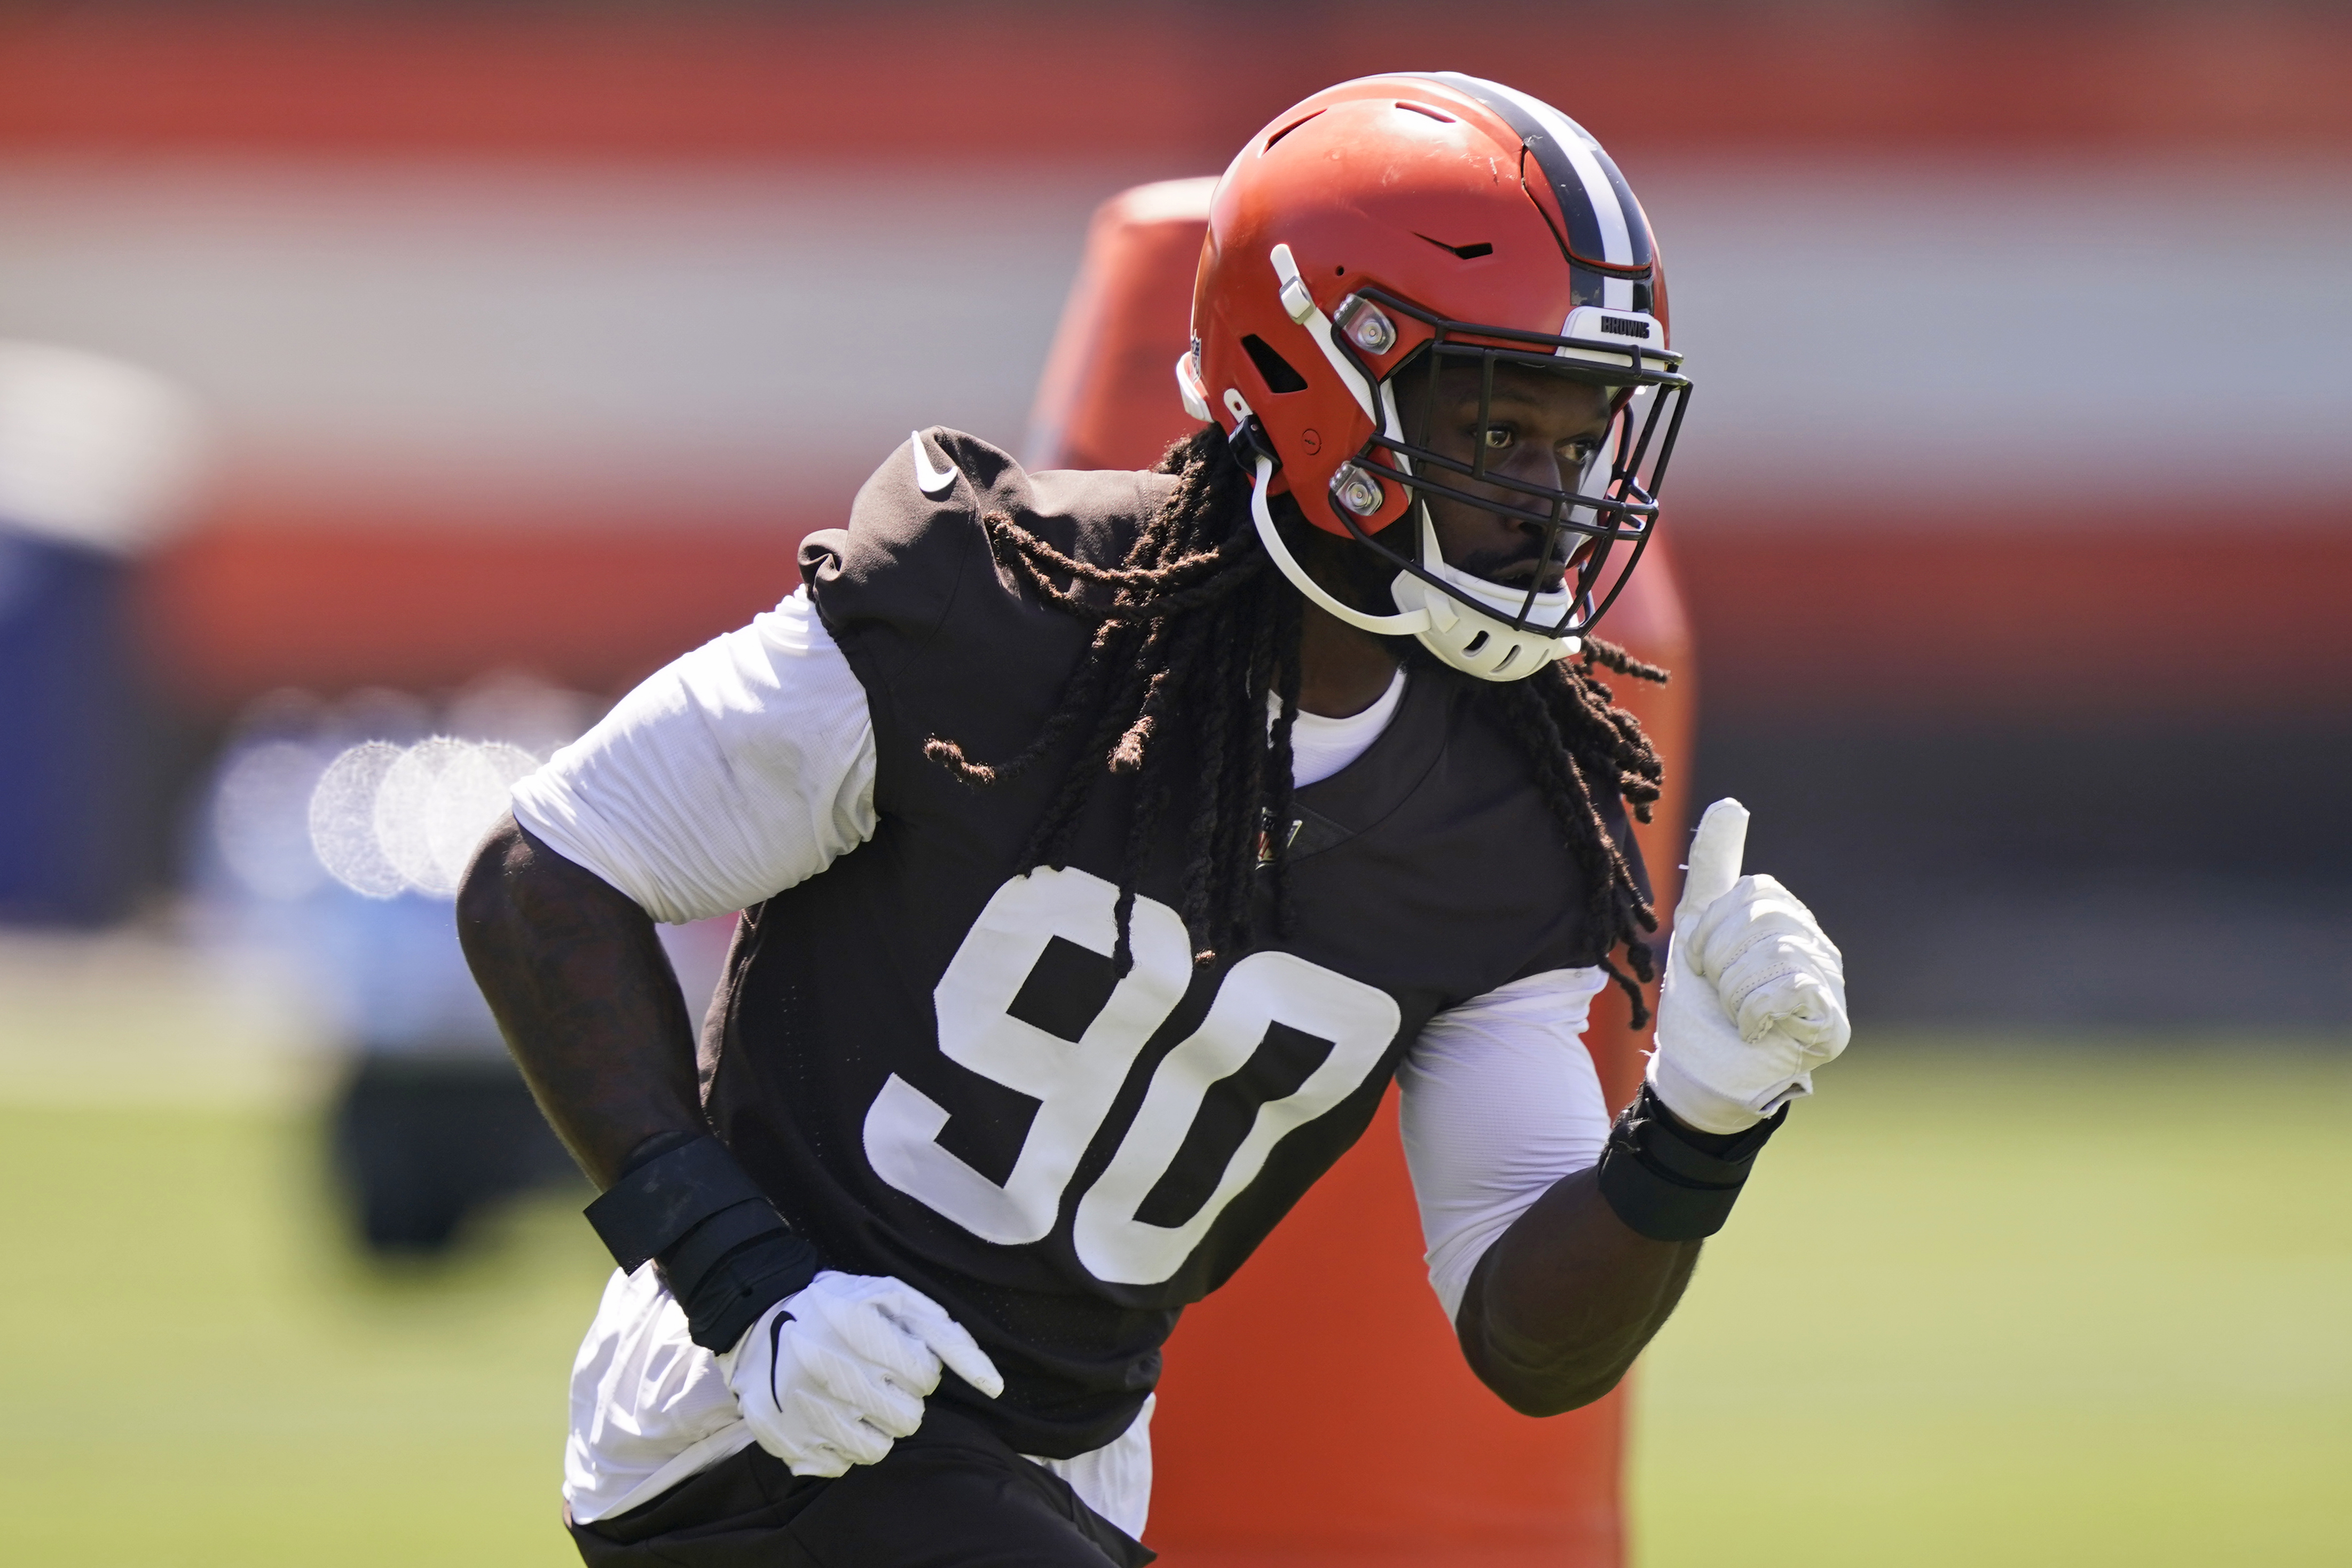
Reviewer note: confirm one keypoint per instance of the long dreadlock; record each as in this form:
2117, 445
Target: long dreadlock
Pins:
1195, 621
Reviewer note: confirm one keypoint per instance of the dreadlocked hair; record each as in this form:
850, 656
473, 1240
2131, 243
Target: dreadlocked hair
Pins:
1569, 725
1196, 622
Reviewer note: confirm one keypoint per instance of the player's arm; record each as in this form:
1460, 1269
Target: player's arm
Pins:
585, 997
1504, 1120
1564, 1280
829, 1369
742, 768
1559, 1308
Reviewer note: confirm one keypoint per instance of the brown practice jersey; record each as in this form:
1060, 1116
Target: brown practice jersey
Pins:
929, 1060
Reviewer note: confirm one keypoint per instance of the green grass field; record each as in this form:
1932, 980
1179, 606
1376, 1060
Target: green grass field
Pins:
1966, 1318
1962, 1319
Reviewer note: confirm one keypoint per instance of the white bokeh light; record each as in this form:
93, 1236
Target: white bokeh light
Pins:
387, 820
258, 818
435, 803
406, 803
472, 794
342, 820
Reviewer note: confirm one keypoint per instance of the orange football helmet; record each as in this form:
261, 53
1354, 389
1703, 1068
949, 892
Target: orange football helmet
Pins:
1395, 225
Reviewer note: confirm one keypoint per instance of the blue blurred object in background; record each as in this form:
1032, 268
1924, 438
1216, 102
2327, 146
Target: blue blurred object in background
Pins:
65, 732
97, 462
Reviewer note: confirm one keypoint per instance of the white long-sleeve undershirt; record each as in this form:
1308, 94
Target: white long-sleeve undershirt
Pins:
738, 770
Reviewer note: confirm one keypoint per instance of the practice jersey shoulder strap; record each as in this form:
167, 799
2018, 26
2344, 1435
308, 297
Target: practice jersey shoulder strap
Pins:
912, 577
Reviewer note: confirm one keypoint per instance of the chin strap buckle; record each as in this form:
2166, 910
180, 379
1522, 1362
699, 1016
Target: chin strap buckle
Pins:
1248, 438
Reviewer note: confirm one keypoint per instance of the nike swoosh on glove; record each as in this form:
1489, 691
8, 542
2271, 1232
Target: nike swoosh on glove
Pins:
1754, 994
831, 1377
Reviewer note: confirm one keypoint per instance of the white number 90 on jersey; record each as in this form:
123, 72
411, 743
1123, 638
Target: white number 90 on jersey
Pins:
1077, 1081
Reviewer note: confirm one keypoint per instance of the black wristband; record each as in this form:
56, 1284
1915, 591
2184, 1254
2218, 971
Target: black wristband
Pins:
728, 1298
725, 1251
1662, 1183
658, 1200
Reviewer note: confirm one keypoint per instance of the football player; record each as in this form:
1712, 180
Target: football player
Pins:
1106, 842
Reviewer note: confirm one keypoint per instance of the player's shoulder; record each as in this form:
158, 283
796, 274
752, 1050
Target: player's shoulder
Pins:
913, 574
917, 529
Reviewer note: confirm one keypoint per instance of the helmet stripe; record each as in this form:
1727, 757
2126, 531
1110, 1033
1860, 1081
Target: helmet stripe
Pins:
1605, 223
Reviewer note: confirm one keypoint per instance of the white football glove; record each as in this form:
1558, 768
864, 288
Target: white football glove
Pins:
831, 1377
1754, 994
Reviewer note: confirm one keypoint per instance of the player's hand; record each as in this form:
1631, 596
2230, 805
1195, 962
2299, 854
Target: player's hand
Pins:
833, 1376
1754, 994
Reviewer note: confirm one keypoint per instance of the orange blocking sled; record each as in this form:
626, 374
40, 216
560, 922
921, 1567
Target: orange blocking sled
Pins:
1315, 1411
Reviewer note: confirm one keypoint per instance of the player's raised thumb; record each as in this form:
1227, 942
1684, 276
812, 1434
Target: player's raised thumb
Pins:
1716, 852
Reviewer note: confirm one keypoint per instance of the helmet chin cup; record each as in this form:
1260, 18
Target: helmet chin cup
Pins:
1475, 643
1467, 638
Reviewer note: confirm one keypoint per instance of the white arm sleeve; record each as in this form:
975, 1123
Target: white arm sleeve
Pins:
1500, 1101
736, 771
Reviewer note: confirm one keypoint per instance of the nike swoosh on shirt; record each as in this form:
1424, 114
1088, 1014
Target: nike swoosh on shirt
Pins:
775, 1346
930, 481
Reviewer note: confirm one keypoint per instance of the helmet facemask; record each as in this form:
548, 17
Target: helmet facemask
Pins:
1591, 533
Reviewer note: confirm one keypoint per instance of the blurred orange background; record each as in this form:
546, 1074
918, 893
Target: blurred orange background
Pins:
513, 152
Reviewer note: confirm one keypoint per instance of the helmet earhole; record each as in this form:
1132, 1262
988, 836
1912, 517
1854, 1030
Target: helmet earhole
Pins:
1281, 375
